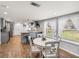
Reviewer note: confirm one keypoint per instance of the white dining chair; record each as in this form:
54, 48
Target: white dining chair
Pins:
51, 50
34, 48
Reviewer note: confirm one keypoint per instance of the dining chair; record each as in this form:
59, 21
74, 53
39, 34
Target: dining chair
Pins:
34, 48
51, 50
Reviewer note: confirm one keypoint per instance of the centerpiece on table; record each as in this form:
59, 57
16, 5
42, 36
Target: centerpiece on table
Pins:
44, 38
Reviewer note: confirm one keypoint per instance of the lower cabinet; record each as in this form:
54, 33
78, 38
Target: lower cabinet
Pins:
4, 37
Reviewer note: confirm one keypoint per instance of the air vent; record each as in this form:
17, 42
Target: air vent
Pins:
35, 4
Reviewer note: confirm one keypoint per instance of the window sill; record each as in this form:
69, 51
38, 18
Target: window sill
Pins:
76, 43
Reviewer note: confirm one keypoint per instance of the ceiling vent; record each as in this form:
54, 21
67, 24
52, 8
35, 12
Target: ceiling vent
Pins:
35, 4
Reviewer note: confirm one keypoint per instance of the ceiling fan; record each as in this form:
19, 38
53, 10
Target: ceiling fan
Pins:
35, 4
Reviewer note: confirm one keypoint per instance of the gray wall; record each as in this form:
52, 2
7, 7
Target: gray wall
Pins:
70, 47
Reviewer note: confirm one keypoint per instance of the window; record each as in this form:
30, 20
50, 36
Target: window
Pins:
50, 28
68, 27
70, 30
71, 35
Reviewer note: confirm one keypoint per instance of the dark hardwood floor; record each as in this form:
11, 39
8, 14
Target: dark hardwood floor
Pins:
65, 54
14, 49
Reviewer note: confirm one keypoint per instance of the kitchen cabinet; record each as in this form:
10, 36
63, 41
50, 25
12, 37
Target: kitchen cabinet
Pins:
4, 37
4, 34
25, 38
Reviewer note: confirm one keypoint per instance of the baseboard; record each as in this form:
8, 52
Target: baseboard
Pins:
70, 52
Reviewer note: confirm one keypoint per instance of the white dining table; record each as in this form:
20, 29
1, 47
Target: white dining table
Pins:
40, 42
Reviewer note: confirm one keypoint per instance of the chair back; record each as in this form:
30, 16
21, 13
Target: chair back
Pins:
30, 43
52, 48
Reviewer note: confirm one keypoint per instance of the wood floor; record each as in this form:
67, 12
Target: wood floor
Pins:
14, 49
65, 54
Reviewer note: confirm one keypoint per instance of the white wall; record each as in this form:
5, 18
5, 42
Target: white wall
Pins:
18, 27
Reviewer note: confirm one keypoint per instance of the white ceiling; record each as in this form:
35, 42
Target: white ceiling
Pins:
22, 10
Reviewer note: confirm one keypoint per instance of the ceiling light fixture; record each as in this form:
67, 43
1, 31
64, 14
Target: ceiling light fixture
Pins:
5, 13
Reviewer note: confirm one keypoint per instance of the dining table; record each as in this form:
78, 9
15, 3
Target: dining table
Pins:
41, 42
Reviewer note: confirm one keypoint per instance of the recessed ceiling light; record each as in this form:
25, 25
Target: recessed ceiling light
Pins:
6, 6
5, 13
